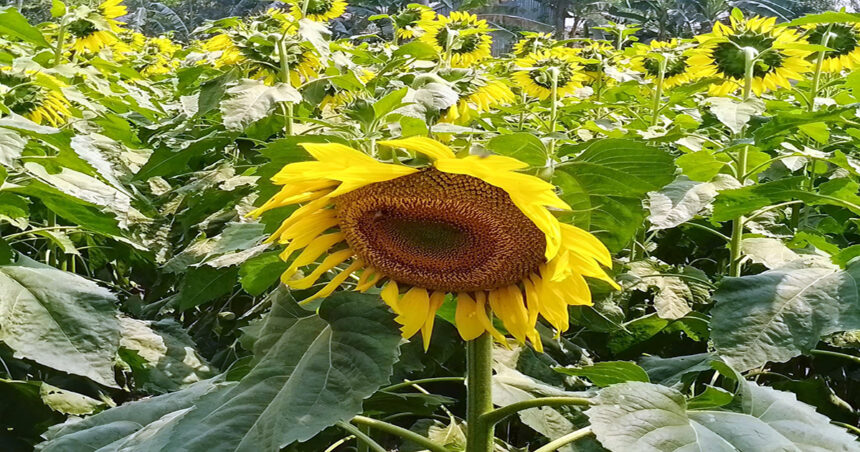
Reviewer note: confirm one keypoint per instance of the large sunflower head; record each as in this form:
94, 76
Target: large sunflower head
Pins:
35, 95
477, 94
844, 39
648, 59
534, 73
473, 228
318, 10
532, 43
227, 53
89, 36
462, 35
414, 21
780, 56
596, 57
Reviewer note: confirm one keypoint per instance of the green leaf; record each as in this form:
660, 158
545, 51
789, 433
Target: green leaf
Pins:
771, 133
82, 213
671, 371
771, 253
170, 360
700, 166
311, 372
251, 100
614, 175
389, 103
781, 313
58, 8
711, 397
522, 146
734, 114
68, 402
733, 203
637, 331
608, 372
827, 17
259, 273
13, 24
416, 49
11, 146
116, 425
679, 202
317, 35
213, 91
59, 320
6, 252
14, 209
642, 416
204, 284
166, 161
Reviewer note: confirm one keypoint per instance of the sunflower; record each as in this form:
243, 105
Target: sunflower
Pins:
532, 43
471, 227
780, 56
229, 53
36, 96
481, 98
646, 61
318, 10
844, 39
88, 37
596, 56
414, 21
469, 38
111, 9
534, 73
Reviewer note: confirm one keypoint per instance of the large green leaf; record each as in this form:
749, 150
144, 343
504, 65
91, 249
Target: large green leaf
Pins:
251, 100
735, 202
642, 416
608, 372
13, 24
605, 185
116, 428
781, 313
59, 320
522, 146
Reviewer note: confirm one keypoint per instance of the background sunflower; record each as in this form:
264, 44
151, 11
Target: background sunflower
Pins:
781, 56
318, 10
844, 39
646, 61
469, 38
533, 74
414, 21
532, 43
36, 96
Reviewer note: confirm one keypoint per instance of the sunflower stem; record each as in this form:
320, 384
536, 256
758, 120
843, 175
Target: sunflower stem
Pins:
449, 43
819, 63
658, 91
392, 429
61, 42
285, 76
750, 56
305, 5
479, 396
565, 440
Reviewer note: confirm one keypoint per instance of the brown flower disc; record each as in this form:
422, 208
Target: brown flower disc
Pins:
441, 231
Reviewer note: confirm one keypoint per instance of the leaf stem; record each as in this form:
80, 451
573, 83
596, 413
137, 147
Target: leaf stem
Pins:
658, 91
285, 76
420, 382
499, 414
750, 56
565, 440
479, 396
819, 63
61, 41
711, 230
361, 437
401, 432
856, 359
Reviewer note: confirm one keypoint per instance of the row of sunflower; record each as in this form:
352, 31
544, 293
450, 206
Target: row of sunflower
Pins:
607, 185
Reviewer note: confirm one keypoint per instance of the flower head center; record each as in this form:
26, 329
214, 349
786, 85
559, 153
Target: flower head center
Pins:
843, 39
730, 56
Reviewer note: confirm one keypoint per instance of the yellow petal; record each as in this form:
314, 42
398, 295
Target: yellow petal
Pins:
335, 282
333, 260
466, 317
391, 295
427, 146
507, 304
414, 308
436, 300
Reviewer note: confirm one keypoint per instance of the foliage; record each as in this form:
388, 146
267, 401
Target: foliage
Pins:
140, 305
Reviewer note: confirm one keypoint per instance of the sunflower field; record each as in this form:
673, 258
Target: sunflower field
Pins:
266, 239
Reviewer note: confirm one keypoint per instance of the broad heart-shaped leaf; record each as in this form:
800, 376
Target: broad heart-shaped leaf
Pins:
59, 320
606, 183
251, 100
11, 146
13, 24
310, 372
647, 417
113, 429
734, 114
522, 146
781, 313
679, 202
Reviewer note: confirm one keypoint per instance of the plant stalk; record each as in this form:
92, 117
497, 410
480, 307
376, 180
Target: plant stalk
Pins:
285, 76
819, 63
479, 398
750, 56
565, 440
658, 91
61, 41
399, 431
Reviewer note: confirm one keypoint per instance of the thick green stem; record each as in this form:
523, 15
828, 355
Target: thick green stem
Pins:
565, 440
819, 63
420, 382
61, 41
479, 395
285, 76
658, 92
856, 359
399, 431
365, 442
750, 55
